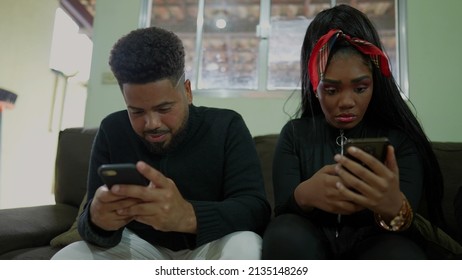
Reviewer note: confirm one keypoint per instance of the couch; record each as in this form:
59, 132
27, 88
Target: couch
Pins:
26, 233
38, 232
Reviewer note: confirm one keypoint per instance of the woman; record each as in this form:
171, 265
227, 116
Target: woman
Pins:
327, 205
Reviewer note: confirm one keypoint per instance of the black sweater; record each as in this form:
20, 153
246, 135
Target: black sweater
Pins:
306, 145
216, 168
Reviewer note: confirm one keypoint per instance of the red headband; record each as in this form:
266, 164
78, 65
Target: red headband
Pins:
320, 54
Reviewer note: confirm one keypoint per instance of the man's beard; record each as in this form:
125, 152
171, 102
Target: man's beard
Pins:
159, 148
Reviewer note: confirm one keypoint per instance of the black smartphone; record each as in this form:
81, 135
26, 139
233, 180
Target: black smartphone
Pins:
374, 146
121, 173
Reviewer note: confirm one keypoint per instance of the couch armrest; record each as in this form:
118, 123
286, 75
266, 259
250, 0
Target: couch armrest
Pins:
33, 226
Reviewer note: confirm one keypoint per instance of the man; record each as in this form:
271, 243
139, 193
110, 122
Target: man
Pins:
205, 198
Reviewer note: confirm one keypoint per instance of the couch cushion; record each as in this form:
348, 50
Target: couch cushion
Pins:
72, 234
437, 244
265, 146
449, 156
36, 253
33, 226
72, 160
458, 213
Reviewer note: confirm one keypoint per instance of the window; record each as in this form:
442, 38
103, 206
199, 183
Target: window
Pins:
70, 60
246, 47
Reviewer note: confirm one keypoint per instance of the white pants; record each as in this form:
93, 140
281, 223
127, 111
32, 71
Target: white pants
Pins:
241, 245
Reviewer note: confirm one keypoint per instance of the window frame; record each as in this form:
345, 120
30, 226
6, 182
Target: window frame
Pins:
263, 33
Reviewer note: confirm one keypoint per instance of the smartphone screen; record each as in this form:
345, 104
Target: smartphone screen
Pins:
121, 173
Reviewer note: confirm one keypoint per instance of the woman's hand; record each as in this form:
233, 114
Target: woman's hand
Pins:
320, 191
375, 187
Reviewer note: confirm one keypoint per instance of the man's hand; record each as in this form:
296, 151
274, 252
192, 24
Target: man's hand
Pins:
160, 204
104, 206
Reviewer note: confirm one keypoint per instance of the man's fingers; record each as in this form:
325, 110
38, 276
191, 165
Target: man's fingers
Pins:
153, 175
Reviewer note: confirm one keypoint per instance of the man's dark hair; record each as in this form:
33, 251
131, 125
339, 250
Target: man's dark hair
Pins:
147, 55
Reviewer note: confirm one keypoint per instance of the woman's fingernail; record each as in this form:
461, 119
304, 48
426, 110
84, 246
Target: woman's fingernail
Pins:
352, 150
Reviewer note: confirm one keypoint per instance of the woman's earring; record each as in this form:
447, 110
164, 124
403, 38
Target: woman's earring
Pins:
316, 94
